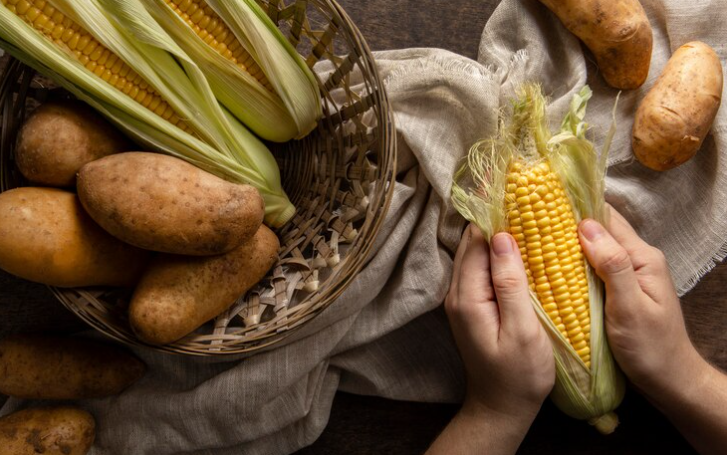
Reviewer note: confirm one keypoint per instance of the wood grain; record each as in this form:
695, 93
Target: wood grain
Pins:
364, 425
454, 25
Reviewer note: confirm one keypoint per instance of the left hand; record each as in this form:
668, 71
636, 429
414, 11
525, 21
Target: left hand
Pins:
506, 352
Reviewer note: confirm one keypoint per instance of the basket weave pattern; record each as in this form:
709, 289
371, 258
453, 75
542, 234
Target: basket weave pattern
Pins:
340, 178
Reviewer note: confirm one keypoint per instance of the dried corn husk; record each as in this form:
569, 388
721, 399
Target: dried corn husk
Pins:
478, 193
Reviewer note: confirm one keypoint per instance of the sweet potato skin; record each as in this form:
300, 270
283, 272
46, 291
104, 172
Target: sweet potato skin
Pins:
161, 203
47, 237
50, 431
177, 294
617, 32
59, 138
42, 367
675, 116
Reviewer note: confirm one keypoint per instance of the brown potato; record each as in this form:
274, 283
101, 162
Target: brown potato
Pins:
161, 203
45, 236
60, 368
59, 138
50, 431
616, 31
675, 116
177, 294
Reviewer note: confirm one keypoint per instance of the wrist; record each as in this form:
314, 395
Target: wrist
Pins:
478, 428
684, 386
516, 415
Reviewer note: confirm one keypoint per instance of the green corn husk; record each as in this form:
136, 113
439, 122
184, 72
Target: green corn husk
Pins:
220, 143
478, 193
294, 108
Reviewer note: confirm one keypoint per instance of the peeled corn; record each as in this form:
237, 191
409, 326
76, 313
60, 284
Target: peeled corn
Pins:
541, 220
538, 187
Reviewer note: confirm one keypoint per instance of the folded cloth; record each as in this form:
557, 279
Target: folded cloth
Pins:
386, 335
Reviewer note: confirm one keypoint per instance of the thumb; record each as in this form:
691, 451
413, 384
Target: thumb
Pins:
610, 260
511, 285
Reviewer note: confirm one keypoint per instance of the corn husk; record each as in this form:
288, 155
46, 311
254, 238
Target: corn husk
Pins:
478, 193
292, 110
219, 142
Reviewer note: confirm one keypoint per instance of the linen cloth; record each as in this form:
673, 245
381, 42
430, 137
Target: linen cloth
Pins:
387, 334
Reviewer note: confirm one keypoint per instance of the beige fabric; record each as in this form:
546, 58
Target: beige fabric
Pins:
387, 334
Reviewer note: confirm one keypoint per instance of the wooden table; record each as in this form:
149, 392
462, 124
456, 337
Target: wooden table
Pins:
363, 425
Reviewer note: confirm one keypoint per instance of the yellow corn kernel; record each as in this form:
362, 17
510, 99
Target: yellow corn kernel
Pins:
212, 30
44, 18
543, 221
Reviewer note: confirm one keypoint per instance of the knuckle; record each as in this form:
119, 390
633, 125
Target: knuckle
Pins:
658, 258
506, 282
658, 254
530, 335
450, 304
616, 262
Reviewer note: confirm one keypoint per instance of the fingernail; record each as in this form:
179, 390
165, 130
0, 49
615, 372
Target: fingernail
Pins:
592, 230
502, 244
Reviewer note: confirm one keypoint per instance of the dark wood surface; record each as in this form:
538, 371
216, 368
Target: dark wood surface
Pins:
364, 425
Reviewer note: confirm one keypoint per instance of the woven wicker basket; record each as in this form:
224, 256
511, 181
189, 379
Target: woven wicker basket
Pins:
340, 178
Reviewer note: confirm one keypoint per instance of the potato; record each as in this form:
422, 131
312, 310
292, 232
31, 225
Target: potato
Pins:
177, 294
60, 368
162, 203
45, 236
675, 116
616, 31
50, 431
60, 137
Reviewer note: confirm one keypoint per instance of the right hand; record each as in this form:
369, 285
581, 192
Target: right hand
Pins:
644, 322
506, 352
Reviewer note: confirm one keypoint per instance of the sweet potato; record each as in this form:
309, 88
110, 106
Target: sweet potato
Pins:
62, 368
616, 31
50, 431
59, 138
45, 236
675, 116
177, 294
161, 203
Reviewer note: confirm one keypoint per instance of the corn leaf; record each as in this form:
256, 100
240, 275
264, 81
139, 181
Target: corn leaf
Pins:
289, 75
261, 110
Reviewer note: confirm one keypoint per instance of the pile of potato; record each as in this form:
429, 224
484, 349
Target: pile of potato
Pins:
677, 113
42, 367
188, 242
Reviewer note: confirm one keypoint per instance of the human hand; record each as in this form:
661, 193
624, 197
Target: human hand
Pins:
644, 322
506, 352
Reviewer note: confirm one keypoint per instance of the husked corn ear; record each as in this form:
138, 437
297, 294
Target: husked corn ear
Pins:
213, 31
536, 185
63, 31
541, 221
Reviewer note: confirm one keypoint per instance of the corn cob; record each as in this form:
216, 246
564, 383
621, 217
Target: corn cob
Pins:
537, 186
54, 25
541, 221
213, 31
252, 69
